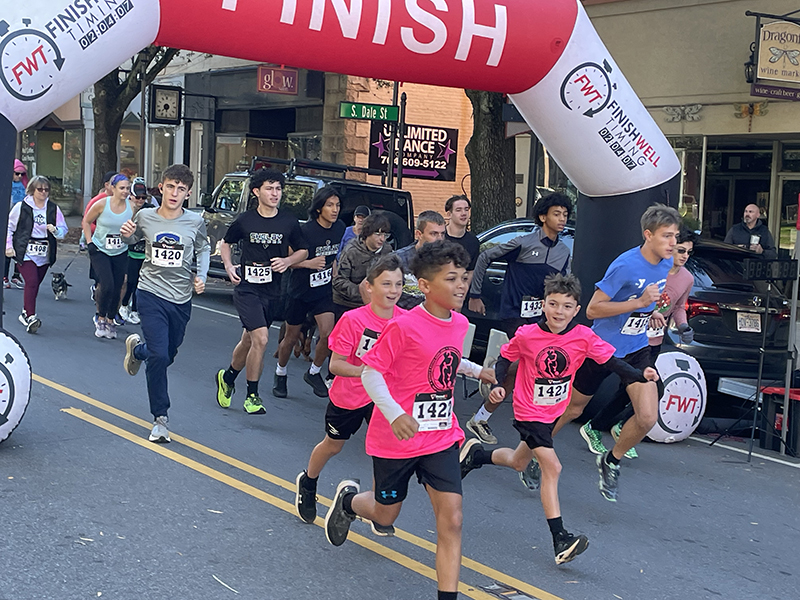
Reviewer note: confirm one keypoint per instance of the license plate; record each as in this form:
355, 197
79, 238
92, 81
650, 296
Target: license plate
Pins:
749, 322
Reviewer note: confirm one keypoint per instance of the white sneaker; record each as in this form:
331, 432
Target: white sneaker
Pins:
34, 323
133, 317
111, 330
100, 329
131, 363
160, 434
125, 313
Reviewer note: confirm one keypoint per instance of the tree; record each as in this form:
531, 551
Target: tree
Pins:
491, 158
112, 96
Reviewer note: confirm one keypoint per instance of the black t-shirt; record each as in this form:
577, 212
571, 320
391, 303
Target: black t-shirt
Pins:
262, 239
310, 285
470, 243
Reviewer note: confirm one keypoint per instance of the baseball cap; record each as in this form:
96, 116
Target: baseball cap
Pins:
362, 211
138, 187
109, 176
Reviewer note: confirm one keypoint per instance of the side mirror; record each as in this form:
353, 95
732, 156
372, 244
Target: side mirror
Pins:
206, 200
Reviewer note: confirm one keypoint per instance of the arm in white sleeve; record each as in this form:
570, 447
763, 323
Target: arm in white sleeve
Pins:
61, 225
376, 387
13, 219
467, 367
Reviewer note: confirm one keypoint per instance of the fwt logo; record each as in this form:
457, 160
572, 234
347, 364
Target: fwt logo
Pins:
30, 60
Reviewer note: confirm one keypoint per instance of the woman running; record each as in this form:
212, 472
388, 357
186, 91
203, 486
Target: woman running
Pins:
34, 225
107, 252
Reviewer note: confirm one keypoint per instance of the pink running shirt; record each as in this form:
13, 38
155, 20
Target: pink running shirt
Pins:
547, 363
354, 334
418, 356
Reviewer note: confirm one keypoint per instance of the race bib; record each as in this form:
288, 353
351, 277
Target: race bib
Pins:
434, 412
368, 339
166, 255
37, 248
547, 392
258, 273
531, 307
655, 332
114, 242
319, 278
636, 324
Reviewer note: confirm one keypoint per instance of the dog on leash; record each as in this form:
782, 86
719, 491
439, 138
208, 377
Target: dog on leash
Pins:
60, 285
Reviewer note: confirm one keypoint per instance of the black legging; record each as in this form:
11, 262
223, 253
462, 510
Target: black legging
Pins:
110, 271
134, 266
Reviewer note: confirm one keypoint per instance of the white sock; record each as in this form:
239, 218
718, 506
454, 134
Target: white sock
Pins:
314, 369
482, 414
279, 370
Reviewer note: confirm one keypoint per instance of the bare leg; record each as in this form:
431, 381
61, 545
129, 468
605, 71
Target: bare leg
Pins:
322, 453
365, 506
644, 397
287, 344
551, 470
576, 405
255, 356
449, 519
325, 323
239, 358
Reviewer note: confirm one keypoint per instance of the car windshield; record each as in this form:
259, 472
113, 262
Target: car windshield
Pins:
230, 193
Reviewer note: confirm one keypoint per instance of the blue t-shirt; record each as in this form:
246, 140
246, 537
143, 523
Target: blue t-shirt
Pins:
17, 192
349, 234
625, 279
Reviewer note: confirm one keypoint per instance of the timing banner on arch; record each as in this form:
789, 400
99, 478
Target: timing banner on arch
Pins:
545, 53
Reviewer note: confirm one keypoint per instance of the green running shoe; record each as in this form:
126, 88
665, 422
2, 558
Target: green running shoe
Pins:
253, 405
594, 439
615, 431
224, 391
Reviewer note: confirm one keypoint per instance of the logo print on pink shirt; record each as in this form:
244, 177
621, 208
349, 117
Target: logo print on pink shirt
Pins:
443, 368
552, 362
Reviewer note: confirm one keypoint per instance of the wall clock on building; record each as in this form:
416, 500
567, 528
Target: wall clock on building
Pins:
165, 105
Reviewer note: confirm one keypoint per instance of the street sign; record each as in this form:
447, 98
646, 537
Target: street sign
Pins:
370, 112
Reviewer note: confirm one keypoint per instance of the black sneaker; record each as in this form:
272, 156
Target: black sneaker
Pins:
382, 530
568, 546
609, 475
337, 521
305, 500
316, 382
467, 456
279, 386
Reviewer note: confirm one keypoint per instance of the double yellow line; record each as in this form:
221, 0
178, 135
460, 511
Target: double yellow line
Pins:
369, 544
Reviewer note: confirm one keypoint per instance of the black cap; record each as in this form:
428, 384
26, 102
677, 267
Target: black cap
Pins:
362, 211
109, 176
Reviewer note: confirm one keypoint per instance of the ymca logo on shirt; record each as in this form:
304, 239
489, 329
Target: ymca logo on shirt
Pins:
552, 362
443, 368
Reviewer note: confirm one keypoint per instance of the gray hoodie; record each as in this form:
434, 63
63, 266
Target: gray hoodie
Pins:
354, 263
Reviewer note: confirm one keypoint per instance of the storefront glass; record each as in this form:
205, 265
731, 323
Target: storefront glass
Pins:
235, 152
789, 191
58, 155
162, 151
129, 150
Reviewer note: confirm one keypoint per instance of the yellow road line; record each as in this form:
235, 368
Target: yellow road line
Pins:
394, 556
422, 543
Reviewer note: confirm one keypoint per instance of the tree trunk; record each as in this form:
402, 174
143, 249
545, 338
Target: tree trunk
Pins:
107, 123
491, 158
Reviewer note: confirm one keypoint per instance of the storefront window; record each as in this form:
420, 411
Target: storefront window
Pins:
162, 151
235, 153
72, 184
789, 191
129, 150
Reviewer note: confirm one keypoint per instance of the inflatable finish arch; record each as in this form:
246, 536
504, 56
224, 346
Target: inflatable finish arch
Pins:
544, 53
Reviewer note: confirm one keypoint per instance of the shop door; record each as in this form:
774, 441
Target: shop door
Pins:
719, 196
726, 198
789, 186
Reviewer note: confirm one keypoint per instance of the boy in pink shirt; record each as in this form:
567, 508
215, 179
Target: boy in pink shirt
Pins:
349, 405
410, 374
549, 353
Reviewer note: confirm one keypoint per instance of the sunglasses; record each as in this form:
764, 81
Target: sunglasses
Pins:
141, 197
684, 251
20, 174
42, 189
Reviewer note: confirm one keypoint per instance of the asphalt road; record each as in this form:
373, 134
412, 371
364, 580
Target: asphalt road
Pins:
89, 508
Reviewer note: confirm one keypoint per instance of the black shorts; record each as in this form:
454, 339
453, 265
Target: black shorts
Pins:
255, 308
535, 433
341, 423
591, 375
441, 471
298, 309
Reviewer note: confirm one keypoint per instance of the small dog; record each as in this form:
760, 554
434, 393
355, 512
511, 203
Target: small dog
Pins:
60, 285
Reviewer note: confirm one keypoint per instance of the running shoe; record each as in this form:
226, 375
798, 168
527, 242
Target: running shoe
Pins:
609, 476
99, 328
160, 434
615, 431
224, 391
338, 520
382, 530
118, 320
279, 386
131, 363
6, 283
305, 499
17, 282
253, 405
482, 430
531, 477
111, 330
134, 318
317, 384
594, 439
467, 456
568, 546
124, 313
31, 323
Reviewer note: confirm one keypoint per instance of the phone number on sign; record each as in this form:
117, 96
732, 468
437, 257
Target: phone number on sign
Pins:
418, 162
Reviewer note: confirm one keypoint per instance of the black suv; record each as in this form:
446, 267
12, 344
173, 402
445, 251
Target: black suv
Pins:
233, 196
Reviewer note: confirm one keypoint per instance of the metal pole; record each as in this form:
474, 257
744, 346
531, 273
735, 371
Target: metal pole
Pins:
401, 138
392, 139
8, 148
533, 175
701, 203
787, 404
761, 351
142, 126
